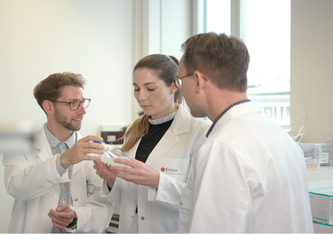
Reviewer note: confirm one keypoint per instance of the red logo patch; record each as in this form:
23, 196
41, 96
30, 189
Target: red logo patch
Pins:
162, 169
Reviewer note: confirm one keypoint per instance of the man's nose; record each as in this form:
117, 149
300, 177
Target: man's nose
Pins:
81, 109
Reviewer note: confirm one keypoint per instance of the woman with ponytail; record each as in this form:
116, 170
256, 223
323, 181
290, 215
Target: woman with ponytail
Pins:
160, 145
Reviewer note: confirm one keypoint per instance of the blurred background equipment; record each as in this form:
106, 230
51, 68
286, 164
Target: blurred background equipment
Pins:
17, 136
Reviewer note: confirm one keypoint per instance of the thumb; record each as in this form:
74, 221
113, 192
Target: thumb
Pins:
62, 207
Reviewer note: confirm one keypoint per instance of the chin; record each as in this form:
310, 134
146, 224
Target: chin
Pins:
74, 127
149, 113
196, 114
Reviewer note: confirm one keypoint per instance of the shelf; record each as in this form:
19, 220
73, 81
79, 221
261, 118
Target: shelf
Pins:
323, 173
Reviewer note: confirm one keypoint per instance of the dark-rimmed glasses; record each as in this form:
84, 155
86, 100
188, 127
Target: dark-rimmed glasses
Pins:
178, 81
74, 105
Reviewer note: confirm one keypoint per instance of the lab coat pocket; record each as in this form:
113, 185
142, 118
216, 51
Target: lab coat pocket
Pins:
176, 168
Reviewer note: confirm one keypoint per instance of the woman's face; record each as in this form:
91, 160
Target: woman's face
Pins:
152, 94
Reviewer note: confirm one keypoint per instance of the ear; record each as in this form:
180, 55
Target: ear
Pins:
48, 107
201, 80
173, 88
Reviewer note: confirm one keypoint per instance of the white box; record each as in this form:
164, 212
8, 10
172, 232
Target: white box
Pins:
321, 153
322, 205
322, 228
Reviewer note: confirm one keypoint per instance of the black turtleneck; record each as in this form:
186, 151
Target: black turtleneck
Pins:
151, 139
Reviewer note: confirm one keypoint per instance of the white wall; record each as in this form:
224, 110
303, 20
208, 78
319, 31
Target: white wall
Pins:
311, 80
43, 37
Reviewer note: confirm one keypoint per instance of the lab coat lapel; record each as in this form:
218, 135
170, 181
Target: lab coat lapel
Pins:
169, 140
77, 166
180, 125
42, 145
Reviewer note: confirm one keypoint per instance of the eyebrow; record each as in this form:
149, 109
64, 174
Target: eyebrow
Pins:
145, 83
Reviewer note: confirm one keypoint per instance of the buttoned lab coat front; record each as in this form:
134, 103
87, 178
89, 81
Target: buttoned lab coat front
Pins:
158, 210
248, 176
32, 179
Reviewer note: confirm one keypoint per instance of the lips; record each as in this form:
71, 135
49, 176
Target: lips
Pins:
78, 119
145, 106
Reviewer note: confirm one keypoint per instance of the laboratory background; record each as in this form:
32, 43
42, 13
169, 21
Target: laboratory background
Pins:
103, 40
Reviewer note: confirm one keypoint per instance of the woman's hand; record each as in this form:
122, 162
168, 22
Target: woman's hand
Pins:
137, 172
104, 172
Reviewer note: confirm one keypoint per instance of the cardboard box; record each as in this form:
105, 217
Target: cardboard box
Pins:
322, 205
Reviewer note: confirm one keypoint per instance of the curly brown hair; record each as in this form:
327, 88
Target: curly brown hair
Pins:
51, 87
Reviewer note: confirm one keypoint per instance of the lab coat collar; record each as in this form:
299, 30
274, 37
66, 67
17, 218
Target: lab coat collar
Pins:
41, 145
180, 125
236, 111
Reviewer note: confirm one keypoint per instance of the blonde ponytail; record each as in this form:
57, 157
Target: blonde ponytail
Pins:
138, 129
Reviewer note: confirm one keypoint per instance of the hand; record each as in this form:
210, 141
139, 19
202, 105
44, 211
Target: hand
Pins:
104, 172
62, 216
78, 152
137, 173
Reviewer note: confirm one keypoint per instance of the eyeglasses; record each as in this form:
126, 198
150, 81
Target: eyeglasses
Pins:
74, 105
178, 81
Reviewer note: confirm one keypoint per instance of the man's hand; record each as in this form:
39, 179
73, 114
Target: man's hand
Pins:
62, 216
79, 151
104, 172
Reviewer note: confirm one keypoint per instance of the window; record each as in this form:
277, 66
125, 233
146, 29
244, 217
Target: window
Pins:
265, 27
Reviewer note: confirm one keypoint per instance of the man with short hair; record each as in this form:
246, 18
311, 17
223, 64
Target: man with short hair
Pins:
248, 175
55, 187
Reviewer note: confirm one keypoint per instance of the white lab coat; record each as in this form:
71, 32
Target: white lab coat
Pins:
248, 176
32, 179
158, 210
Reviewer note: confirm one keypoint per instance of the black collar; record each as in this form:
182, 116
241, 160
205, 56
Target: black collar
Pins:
222, 113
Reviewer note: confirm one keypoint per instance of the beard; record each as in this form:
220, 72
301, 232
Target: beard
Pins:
62, 120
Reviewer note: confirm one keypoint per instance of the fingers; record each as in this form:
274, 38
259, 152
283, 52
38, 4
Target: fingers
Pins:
105, 174
103, 171
122, 169
129, 162
58, 225
91, 158
63, 207
98, 164
94, 145
141, 173
81, 148
61, 219
91, 138
128, 177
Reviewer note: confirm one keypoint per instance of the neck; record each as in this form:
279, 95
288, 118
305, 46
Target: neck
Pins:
61, 133
223, 100
166, 112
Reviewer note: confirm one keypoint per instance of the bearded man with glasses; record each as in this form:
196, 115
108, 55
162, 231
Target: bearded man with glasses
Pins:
55, 187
